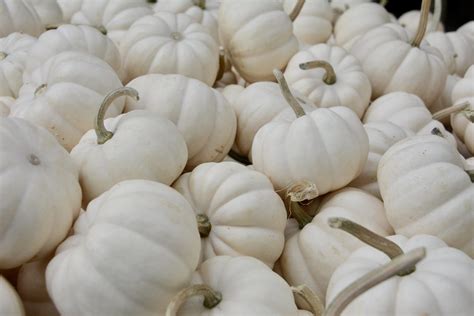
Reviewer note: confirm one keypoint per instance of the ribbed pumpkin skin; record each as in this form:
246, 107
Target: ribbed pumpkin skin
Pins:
463, 91
10, 302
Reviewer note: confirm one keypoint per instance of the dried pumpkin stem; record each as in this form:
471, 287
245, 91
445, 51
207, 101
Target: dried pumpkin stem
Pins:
329, 76
204, 225
437, 132
388, 247
285, 90
371, 279
305, 293
450, 110
102, 133
296, 10
211, 298
299, 214
424, 15
438, 8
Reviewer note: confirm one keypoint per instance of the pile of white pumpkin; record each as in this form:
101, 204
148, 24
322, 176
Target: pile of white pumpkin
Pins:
193, 157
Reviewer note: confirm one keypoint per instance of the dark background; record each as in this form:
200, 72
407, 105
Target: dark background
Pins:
455, 12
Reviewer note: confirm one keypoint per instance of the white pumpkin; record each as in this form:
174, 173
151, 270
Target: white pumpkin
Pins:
103, 153
357, 21
170, 43
328, 76
455, 49
231, 92
311, 255
14, 52
237, 210
236, 286
382, 135
40, 192
440, 285
31, 287
19, 16
134, 248
426, 191
5, 105
48, 11
80, 38
257, 36
69, 7
113, 17
463, 122
10, 302
65, 93
467, 30
340, 6
314, 23
202, 115
410, 20
444, 101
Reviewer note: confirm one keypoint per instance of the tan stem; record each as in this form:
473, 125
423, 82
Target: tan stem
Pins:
102, 133
285, 90
371, 279
204, 225
305, 293
211, 298
296, 10
383, 3
329, 76
388, 247
424, 15
438, 8
452, 109
299, 214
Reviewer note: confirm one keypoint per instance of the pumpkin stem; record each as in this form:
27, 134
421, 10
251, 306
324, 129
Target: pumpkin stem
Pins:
330, 75
296, 10
438, 8
305, 293
450, 110
437, 132
3, 55
102, 133
383, 3
385, 245
424, 15
302, 190
371, 279
243, 160
299, 214
211, 298
285, 90
204, 225
201, 4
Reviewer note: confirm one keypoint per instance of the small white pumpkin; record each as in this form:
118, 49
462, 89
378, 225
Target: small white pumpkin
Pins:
329, 76
426, 191
445, 101
238, 212
19, 16
69, 7
14, 52
134, 248
10, 302
467, 30
64, 94
463, 122
103, 153
40, 192
341, 6
411, 19
231, 92
48, 11
5, 106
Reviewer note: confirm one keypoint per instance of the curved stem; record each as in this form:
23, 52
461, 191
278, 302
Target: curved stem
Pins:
438, 8
296, 10
329, 76
452, 109
211, 298
204, 225
305, 293
242, 159
371, 279
299, 214
102, 133
424, 15
388, 247
285, 90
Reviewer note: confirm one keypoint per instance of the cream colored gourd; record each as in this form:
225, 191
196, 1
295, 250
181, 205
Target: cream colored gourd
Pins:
231, 92
113, 17
104, 157
393, 63
410, 20
455, 49
444, 101
65, 93
170, 43
316, 153
134, 248
31, 285
311, 255
80, 38
467, 30
463, 122
357, 21
238, 212
257, 36
440, 284
426, 191
14, 51
5, 105
202, 115
234, 286
314, 23
329, 76
40, 192
19, 16
48, 11
382, 135
69, 7
10, 302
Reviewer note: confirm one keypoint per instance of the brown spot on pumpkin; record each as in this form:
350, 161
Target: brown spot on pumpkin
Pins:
34, 160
